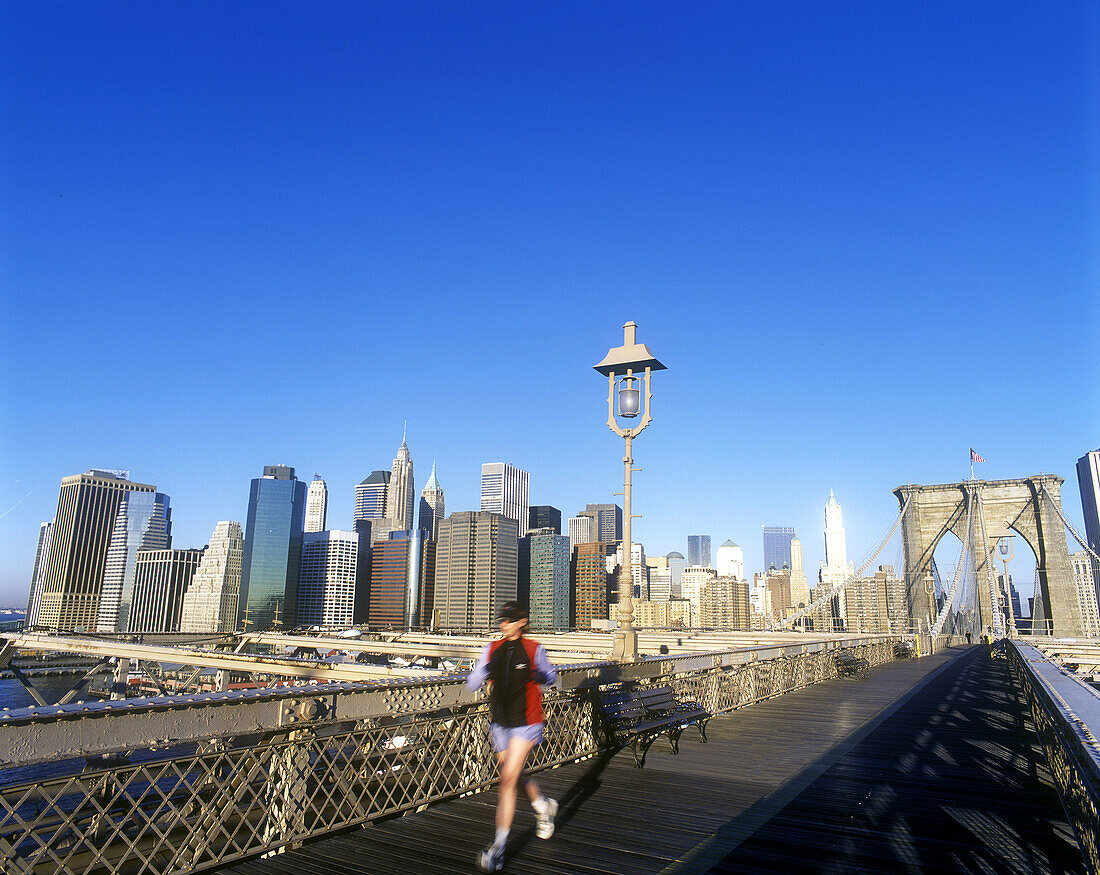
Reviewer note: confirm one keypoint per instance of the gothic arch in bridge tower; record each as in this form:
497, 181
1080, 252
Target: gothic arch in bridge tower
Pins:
1023, 507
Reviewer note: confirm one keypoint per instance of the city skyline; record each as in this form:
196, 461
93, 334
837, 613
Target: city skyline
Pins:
817, 189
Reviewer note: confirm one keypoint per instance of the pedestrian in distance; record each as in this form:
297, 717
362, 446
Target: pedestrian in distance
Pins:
516, 669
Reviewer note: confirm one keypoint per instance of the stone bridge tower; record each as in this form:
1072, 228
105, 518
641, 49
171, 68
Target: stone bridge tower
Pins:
1008, 506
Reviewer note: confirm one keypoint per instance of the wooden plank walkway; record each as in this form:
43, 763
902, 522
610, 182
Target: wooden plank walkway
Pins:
930, 765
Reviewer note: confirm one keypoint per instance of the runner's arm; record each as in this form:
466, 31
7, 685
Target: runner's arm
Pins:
545, 673
480, 672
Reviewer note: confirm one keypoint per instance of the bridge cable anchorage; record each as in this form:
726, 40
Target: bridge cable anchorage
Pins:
837, 588
1069, 525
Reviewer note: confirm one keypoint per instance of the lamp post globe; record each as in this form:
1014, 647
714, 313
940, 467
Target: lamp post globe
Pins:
622, 366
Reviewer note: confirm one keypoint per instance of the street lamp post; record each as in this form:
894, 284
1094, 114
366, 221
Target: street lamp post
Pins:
1007, 550
621, 366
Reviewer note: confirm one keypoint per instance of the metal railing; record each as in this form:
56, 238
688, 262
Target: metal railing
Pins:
1066, 712
301, 763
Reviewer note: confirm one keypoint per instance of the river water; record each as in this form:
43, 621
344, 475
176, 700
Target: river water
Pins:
13, 695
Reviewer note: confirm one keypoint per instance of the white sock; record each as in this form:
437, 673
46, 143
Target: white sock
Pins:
502, 838
540, 805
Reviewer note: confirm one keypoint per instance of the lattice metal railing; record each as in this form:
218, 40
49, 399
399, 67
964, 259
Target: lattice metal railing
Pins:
191, 807
1070, 743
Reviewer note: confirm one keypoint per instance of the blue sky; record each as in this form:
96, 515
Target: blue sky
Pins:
862, 236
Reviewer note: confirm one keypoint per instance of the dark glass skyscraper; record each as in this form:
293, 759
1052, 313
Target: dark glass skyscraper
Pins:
272, 550
777, 547
543, 516
609, 521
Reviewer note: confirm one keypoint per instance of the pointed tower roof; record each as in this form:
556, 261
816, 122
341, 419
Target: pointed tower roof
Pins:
729, 544
433, 481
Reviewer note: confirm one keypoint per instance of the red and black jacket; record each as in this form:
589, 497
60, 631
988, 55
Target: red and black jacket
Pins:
515, 696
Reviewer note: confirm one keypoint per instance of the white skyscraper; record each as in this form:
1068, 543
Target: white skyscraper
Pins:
210, 603
731, 561
400, 496
836, 568
582, 530
316, 505
504, 490
327, 593
692, 580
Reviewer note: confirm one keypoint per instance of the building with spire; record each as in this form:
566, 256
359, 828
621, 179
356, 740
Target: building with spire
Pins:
431, 506
400, 496
836, 568
316, 505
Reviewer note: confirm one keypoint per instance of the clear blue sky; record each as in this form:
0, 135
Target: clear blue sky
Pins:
863, 236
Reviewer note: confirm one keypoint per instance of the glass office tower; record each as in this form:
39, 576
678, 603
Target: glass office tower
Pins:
272, 551
777, 547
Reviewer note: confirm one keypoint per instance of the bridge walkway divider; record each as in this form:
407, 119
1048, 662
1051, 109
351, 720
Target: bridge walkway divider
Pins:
929, 765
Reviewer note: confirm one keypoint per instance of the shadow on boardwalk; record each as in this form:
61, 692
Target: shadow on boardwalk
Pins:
928, 766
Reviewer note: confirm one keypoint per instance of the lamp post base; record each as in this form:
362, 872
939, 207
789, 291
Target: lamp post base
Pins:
626, 645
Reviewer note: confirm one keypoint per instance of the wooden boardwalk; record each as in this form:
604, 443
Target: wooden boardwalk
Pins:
930, 765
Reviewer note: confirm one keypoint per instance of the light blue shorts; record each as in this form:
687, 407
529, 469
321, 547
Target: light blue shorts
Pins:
502, 735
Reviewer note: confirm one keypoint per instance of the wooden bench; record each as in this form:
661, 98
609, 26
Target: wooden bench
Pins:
642, 714
848, 665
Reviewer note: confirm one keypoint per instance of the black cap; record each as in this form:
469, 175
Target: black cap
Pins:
512, 611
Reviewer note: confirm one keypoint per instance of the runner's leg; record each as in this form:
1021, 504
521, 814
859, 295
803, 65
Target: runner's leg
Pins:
511, 763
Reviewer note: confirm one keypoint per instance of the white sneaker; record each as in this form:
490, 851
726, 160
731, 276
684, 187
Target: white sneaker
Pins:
544, 821
491, 859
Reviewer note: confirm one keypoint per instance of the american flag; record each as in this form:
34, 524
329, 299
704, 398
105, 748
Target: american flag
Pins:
974, 457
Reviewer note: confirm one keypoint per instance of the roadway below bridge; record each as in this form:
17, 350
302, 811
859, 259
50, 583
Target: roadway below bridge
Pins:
928, 765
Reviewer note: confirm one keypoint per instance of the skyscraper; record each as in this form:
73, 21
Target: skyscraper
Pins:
143, 522
273, 550
544, 516
836, 568
639, 570
550, 590
210, 603
582, 530
31, 619
692, 580
72, 582
731, 561
476, 568
431, 506
161, 579
676, 565
777, 547
800, 588
332, 579
1086, 592
504, 490
1088, 480
724, 604
699, 551
316, 505
400, 495
589, 583
609, 521
370, 496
